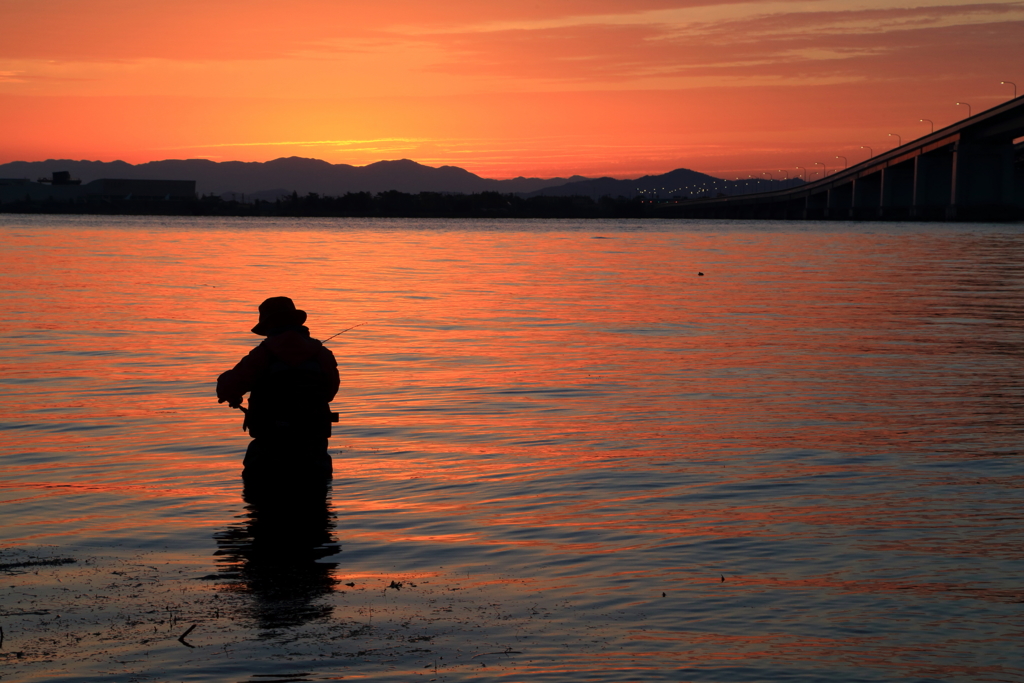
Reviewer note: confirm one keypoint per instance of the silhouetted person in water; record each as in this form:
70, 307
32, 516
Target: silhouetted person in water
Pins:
291, 379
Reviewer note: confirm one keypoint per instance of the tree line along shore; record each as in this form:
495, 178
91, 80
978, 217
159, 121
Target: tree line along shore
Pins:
391, 204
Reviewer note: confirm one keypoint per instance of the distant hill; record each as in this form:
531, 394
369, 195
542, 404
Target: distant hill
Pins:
681, 182
283, 176
280, 177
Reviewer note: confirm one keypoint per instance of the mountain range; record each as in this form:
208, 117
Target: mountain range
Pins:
681, 182
272, 179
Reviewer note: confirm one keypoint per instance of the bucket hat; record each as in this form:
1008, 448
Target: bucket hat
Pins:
277, 312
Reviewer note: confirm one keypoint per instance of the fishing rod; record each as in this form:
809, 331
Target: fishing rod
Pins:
344, 331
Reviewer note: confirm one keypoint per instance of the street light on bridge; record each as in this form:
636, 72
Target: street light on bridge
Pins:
824, 169
871, 152
845, 162
805, 172
930, 122
770, 176
1014, 87
968, 108
899, 140
782, 170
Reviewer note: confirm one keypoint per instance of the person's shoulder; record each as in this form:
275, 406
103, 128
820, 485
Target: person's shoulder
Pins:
260, 351
259, 348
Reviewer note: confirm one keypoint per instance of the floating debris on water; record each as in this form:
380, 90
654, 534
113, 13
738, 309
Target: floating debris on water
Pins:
181, 638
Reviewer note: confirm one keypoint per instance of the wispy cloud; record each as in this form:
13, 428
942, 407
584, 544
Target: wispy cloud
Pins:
302, 143
774, 43
712, 13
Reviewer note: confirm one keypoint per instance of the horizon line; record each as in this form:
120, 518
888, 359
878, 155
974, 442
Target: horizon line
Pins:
380, 161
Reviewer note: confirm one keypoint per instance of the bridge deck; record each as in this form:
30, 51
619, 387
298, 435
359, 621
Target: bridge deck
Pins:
969, 170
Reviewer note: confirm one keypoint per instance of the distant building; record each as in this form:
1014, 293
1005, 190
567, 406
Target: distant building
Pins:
61, 178
25, 190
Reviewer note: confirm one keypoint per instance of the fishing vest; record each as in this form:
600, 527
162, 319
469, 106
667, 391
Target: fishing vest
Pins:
289, 402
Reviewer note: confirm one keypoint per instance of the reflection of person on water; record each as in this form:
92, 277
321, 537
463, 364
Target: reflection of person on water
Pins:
276, 553
291, 379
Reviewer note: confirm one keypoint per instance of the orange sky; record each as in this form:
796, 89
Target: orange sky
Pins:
596, 87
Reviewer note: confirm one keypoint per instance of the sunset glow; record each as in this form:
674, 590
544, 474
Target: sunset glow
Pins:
503, 89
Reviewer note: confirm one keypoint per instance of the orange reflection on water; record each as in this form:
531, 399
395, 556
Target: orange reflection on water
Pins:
826, 420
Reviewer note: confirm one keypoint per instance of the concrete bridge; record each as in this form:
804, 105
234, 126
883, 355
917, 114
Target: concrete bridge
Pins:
971, 170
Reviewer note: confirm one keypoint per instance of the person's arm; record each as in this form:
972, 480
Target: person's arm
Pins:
236, 382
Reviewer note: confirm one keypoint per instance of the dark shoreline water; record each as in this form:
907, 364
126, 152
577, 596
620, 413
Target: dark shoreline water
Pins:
425, 205
486, 206
559, 457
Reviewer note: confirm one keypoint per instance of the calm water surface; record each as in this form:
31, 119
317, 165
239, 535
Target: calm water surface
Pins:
562, 455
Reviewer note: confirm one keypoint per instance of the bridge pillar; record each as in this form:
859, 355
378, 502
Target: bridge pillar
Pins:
983, 176
933, 183
897, 190
840, 200
817, 205
867, 196
799, 208
913, 194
